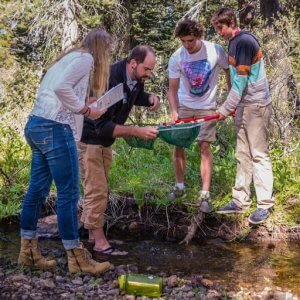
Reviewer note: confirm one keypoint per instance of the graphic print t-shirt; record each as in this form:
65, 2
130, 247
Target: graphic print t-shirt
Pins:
198, 74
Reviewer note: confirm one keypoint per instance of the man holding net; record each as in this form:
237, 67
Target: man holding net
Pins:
193, 77
95, 153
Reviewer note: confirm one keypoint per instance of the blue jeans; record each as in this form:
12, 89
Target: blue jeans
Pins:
54, 156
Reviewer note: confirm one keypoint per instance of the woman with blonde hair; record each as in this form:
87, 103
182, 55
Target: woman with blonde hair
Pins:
54, 126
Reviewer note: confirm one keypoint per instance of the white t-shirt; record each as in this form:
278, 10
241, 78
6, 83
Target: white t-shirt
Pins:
198, 74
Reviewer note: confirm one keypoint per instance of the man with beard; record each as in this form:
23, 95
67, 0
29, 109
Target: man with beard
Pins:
94, 150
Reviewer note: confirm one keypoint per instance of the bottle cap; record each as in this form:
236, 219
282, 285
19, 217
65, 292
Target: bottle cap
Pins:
122, 279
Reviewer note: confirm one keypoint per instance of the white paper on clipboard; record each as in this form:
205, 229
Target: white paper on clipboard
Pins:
111, 97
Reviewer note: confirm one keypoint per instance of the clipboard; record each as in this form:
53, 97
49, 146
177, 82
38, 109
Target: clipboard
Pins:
111, 97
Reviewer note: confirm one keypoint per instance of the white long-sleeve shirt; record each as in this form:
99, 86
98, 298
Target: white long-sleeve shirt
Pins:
63, 90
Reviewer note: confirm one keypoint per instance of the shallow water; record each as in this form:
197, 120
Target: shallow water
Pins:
231, 265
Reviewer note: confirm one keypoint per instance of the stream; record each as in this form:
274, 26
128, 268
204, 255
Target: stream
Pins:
230, 265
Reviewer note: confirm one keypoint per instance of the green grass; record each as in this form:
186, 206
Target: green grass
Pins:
9, 209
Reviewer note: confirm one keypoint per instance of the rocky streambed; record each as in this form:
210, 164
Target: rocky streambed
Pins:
16, 283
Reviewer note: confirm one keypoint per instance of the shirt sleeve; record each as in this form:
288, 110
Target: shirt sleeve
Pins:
222, 57
173, 67
74, 72
245, 52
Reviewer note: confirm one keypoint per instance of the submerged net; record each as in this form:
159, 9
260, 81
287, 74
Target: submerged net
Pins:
181, 135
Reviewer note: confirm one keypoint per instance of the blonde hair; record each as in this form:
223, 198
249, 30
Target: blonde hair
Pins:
98, 43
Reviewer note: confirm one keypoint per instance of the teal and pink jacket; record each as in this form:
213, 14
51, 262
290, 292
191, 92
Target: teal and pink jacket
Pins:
249, 84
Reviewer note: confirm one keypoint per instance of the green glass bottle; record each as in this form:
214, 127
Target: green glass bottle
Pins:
141, 285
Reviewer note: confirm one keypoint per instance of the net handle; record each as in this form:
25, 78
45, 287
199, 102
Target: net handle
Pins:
200, 119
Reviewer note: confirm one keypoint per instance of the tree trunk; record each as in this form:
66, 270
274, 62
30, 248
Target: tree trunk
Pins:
70, 26
269, 10
246, 12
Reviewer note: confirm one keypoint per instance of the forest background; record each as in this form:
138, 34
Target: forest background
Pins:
33, 33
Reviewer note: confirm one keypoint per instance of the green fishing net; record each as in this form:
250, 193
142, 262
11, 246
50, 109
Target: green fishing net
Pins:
137, 142
181, 135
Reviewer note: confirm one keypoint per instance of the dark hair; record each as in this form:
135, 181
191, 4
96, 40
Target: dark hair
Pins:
139, 53
189, 27
224, 15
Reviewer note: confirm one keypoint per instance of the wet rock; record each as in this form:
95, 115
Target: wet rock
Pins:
212, 294
186, 288
77, 281
190, 294
196, 279
167, 290
231, 294
60, 279
18, 284
261, 233
57, 252
21, 277
47, 227
133, 269
47, 284
114, 284
36, 296
113, 292
27, 286
207, 282
86, 278
129, 297
121, 270
133, 226
46, 275
172, 281
80, 289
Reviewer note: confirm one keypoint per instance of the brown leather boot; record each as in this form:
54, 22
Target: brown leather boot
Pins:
30, 255
80, 260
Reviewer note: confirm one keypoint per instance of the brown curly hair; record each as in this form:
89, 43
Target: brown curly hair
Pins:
189, 27
224, 15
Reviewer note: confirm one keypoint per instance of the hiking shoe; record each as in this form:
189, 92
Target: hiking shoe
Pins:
229, 208
177, 193
259, 216
204, 203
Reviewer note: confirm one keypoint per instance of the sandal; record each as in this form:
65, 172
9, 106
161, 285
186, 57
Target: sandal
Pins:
110, 251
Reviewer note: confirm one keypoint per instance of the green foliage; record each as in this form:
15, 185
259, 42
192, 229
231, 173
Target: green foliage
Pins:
14, 161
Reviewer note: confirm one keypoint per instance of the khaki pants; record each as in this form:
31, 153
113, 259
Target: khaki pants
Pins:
253, 162
207, 131
94, 165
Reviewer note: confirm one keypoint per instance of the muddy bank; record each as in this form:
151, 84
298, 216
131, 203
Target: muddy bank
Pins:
172, 223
